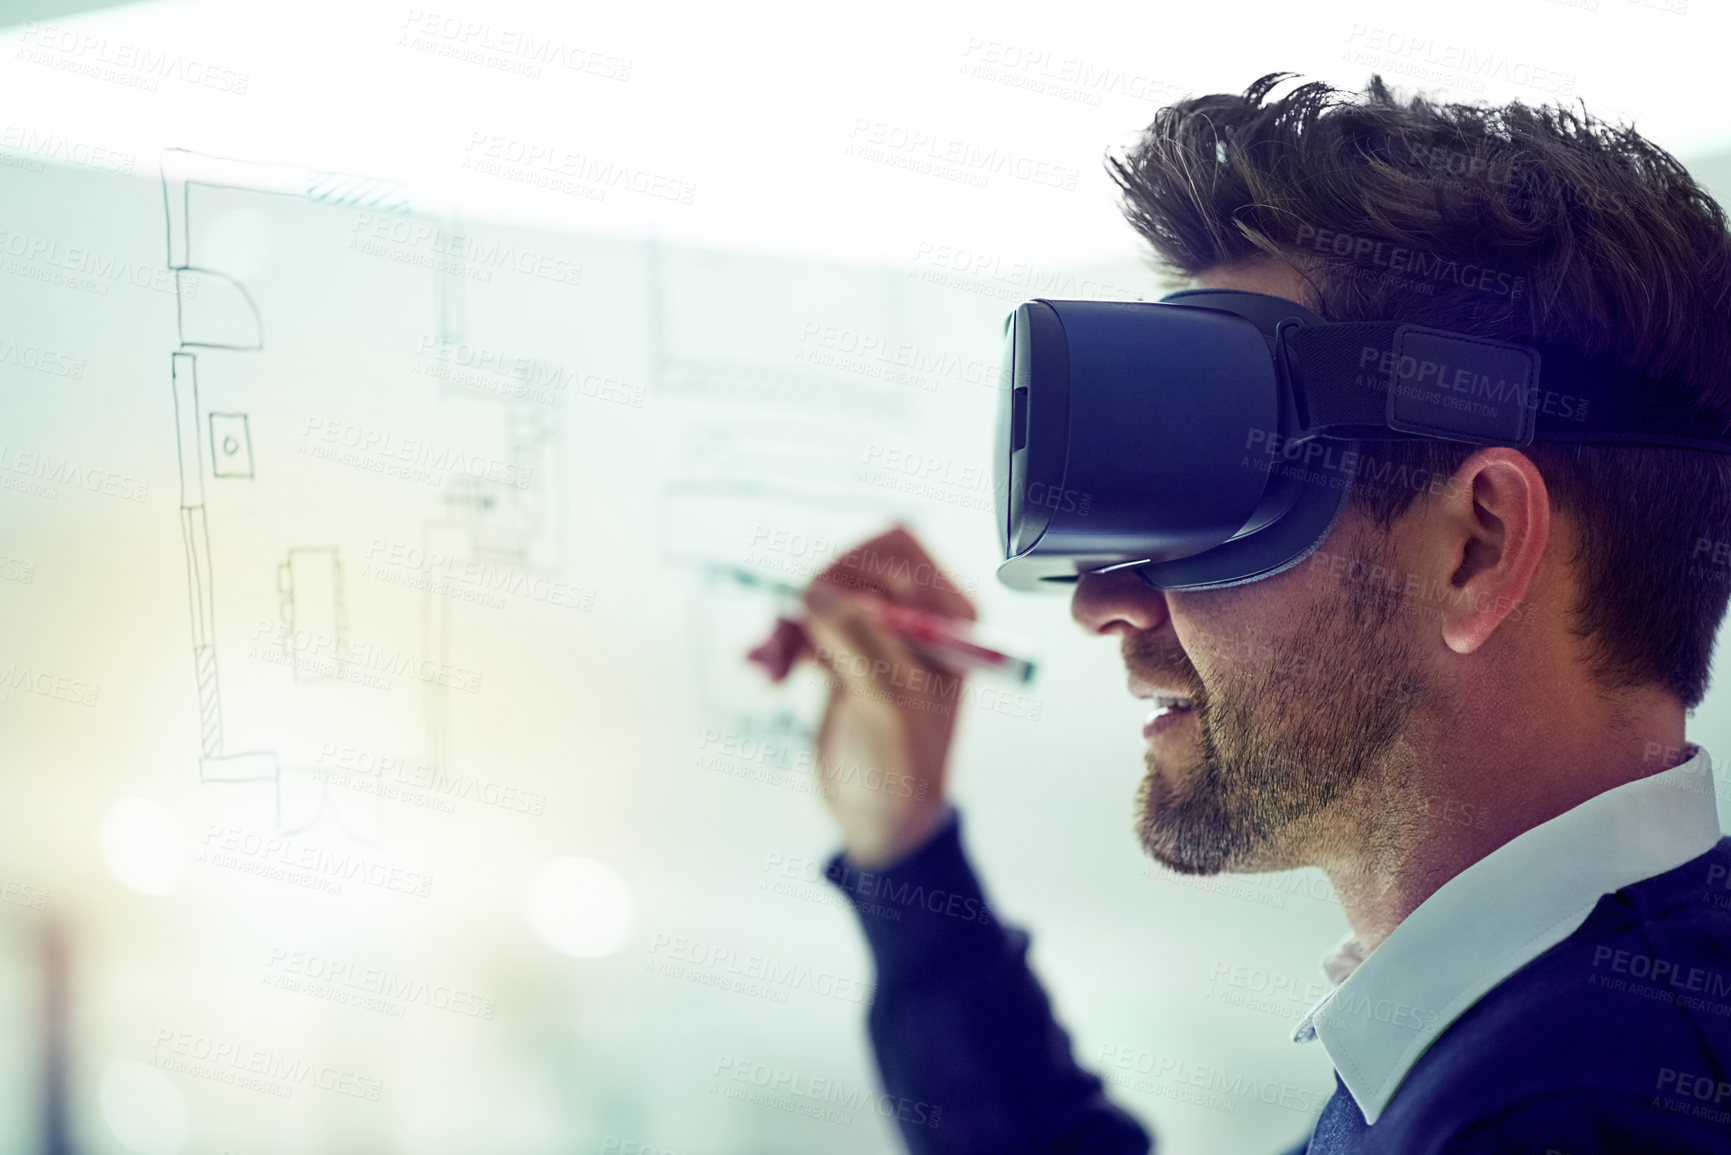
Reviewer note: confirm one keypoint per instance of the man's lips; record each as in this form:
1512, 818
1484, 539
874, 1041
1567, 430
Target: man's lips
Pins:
1171, 705
1160, 694
1164, 719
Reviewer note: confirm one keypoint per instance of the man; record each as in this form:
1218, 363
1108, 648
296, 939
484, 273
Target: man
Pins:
1510, 634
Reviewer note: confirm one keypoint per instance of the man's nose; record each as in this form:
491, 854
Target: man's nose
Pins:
1104, 601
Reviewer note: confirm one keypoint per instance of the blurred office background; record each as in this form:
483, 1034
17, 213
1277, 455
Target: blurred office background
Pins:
386, 394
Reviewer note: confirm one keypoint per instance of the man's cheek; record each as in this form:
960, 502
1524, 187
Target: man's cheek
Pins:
1193, 624
1217, 619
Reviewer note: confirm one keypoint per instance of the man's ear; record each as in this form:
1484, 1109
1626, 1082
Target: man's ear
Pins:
1485, 535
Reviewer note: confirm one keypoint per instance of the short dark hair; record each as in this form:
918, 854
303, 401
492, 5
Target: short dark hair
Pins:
1580, 236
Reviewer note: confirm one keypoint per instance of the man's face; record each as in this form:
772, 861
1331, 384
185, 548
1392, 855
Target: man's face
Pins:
1303, 686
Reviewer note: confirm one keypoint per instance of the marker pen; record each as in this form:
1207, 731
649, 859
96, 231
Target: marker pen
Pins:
946, 641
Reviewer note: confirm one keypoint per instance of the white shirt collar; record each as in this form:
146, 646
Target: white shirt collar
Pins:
1496, 916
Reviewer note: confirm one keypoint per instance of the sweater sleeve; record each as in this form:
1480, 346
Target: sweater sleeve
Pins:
966, 1044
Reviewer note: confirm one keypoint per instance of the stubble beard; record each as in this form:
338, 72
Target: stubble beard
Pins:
1283, 732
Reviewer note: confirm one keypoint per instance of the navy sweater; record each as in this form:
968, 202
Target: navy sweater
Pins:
1617, 1039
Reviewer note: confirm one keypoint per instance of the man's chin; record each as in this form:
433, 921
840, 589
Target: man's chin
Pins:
1172, 829
1182, 858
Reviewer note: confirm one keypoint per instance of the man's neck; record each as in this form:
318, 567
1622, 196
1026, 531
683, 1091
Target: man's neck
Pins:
1443, 807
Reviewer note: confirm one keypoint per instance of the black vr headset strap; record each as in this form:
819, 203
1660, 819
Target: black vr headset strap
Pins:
1378, 380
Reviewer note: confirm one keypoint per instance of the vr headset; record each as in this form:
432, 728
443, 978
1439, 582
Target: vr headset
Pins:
1211, 438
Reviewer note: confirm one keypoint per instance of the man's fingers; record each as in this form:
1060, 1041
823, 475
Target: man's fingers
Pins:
849, 641
778, 653
871, 660
895, 565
